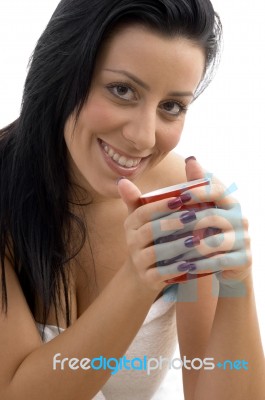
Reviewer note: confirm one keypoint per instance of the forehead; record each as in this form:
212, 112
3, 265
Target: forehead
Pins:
150, 53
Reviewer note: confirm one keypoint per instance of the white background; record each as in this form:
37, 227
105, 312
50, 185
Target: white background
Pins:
225, 126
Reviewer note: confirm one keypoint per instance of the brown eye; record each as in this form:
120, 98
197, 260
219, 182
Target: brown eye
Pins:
122, 91
173, 108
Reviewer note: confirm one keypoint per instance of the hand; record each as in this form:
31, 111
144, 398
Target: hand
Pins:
143, 227
225, 250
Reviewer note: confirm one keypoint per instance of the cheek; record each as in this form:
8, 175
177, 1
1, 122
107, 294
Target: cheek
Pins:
170, 137
100, 116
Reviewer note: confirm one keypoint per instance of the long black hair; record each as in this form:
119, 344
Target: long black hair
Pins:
36, 218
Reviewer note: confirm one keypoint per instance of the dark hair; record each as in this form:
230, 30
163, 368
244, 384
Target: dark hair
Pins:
36, 221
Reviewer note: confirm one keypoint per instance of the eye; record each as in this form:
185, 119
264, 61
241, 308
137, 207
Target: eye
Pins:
173, 108
122, 91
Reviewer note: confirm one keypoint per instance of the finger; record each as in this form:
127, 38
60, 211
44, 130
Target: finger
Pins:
222, 262
203, 223
193, 169
215, 193
129, 193
173, 250
166, 229
152, 233
165, 253
225, 220
153, 211
169, 228
216, 264
223, 195
175, 269
223, 242
155, 274
207, 248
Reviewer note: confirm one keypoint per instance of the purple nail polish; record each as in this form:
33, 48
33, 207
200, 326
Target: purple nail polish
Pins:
176, 203
192, 241
188, 217
185, 197
190, 158
185, 267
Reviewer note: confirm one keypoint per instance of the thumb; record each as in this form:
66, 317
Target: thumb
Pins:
129, 193
193, 169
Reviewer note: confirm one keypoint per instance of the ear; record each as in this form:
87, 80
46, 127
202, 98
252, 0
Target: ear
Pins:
129, 193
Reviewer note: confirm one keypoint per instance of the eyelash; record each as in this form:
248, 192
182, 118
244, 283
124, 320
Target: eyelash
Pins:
123, 85
183, 108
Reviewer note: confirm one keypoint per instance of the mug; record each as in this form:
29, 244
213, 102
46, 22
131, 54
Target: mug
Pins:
176, 191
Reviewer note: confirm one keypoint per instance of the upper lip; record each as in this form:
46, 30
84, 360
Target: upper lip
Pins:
122, 153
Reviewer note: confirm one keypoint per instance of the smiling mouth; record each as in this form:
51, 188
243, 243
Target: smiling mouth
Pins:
120, 159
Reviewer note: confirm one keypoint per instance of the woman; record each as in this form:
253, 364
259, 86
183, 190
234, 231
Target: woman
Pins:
106, 96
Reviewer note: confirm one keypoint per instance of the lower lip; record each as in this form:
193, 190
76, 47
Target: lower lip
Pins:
118, 169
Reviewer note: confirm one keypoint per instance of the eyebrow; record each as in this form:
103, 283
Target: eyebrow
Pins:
144, 85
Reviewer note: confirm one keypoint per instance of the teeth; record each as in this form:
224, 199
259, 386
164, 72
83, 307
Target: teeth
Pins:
121, 160
129, 164
115, 157
111, 152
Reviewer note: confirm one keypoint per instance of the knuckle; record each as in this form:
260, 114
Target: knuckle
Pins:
219, 190
139, 214
138, 259
209, 213
222, 261
145, 232
153, 277
247, 240
245, 223
249, 258
142, 274
149, 256
214, 219
127, 224
131, 244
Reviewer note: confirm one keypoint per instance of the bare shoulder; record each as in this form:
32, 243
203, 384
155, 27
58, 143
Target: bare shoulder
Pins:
170, 171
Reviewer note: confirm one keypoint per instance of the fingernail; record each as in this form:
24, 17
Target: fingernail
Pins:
186, 267
185, 197
192, 241
188, 217
175, 203
190, 158
119, 179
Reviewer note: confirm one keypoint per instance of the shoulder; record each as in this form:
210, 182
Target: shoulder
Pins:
170, 171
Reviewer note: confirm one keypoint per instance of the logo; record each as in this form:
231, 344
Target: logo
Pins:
144, 364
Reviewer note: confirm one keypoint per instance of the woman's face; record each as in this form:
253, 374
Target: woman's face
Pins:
135, 112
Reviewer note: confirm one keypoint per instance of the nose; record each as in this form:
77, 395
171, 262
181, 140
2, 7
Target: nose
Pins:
142, 129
